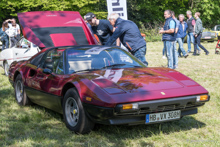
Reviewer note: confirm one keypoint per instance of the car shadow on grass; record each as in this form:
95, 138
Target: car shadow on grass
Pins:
51, 123
40, 126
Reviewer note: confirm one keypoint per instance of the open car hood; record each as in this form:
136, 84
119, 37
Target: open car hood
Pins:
55, 28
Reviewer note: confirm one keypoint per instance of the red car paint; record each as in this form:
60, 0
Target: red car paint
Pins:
136, 84
53, 19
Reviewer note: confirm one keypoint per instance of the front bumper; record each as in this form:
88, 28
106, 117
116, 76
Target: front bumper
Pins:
116, 116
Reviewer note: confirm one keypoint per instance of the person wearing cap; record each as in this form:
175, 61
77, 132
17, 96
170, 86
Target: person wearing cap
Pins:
129, 35
102, 28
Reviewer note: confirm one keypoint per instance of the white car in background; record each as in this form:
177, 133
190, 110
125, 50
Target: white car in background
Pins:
23, 50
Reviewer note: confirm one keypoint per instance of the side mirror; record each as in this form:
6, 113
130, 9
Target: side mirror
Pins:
47, 71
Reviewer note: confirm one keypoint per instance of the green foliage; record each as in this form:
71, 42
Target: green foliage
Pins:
147, 14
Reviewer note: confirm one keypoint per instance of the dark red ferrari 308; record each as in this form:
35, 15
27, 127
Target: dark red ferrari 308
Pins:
91, 84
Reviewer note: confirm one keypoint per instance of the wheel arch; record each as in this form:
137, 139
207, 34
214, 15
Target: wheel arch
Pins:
67, 86
15, 75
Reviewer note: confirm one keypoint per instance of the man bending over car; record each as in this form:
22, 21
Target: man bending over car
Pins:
129, 35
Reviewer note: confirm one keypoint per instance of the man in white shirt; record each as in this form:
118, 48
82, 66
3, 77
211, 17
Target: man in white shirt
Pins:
14, 31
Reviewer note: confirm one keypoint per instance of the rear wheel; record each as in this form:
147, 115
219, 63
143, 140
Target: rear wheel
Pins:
20, 94
6, 68
74, 115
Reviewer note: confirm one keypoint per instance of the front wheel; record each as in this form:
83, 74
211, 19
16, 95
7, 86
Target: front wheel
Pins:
20, 94
74, 114
6, 68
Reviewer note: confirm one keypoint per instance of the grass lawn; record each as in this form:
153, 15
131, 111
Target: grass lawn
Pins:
37, 126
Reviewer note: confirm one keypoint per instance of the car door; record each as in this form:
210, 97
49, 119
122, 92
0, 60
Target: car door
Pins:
43, 80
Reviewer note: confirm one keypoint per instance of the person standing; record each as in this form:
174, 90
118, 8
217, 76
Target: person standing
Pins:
16, 27
169, 38
3, 34
14, 32
130, 36
198, 34
102, 28
176, 30
181, 35
190, 35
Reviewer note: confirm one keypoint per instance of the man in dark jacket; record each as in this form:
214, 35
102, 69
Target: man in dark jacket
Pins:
129, 35
181, 35
169, 38
198, 34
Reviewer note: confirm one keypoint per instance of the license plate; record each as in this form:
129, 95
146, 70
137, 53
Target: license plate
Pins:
163, 116
207, 37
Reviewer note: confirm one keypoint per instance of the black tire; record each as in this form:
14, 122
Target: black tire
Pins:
20, 94
6, 68
74, 115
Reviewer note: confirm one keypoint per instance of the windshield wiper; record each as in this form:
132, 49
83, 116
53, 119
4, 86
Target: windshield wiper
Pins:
113, 65
85, 70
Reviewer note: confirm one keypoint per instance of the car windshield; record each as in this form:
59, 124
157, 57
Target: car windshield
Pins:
96, 58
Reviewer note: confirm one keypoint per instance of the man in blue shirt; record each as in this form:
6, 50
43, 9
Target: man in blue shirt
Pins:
169, 38
102, 28
129, 35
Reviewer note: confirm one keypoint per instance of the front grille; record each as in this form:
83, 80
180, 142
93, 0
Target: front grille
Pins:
161, 105
164, 108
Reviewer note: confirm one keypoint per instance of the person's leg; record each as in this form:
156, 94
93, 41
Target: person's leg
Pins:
7, 43
140, 54
198, 48
163, 48
179, 51
199, 44
189, 42
10, 42
175, 55
18, 37
169, 49
193, 40
195, 46
180, 41
3, 44
13, 40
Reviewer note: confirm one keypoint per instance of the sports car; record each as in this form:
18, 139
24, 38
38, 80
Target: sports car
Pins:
23, 50
91, 84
